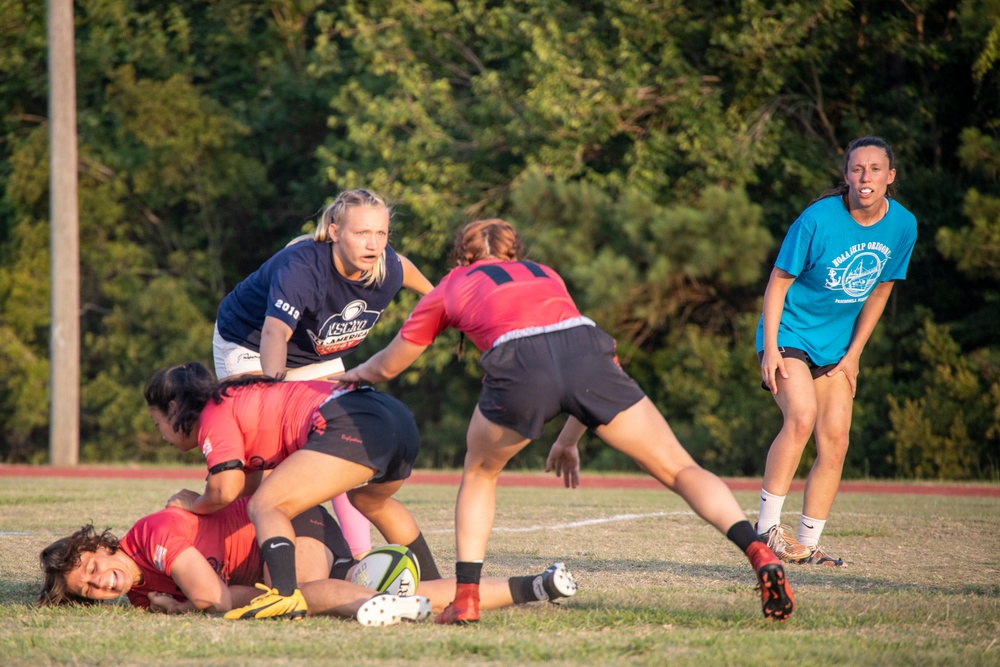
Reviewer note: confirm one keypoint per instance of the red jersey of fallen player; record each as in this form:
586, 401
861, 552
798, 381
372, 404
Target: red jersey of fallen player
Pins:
226, 539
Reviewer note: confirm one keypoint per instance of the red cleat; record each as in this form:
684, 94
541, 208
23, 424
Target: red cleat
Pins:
464, 609
775, 593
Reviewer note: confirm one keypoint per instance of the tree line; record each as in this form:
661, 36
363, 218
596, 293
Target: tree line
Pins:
655, 153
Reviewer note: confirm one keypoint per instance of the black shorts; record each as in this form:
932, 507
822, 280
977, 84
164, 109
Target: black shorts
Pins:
369, 428
320, 525
801, 355
531, 380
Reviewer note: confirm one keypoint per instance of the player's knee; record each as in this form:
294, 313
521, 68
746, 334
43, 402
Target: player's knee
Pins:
800, 423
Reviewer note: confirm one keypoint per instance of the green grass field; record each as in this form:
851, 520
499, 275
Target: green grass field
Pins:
657, 587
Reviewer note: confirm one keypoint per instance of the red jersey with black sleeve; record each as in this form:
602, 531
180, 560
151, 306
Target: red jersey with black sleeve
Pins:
488, 299
260, 424
226, 539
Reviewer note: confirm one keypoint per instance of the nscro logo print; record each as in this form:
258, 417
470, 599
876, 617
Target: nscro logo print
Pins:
346, 329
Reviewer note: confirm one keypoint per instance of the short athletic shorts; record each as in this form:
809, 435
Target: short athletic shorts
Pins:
320, 525
529, 381
369, 428
801, 355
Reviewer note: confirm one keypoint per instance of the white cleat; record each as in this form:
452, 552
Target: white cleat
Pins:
391, 609
556, 582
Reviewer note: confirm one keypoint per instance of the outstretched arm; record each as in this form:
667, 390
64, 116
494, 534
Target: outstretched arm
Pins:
386, 364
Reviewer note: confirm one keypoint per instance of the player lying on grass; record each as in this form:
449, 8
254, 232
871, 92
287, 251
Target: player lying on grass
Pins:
174, 562
362, 442
542, 358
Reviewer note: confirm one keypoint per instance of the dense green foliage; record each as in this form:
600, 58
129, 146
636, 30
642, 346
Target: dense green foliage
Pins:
654, 152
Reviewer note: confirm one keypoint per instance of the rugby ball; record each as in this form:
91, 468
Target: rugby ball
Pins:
390, 569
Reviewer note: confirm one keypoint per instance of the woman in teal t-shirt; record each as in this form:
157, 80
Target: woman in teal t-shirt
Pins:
827, 291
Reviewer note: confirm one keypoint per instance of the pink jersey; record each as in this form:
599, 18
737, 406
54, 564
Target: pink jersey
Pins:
226, 539
488, 299
260, 424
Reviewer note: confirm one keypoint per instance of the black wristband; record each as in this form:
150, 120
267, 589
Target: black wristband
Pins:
222, 467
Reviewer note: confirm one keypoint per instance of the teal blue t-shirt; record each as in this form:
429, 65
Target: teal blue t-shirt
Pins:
836, 263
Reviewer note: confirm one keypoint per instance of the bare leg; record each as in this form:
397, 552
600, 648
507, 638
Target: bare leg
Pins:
833, 427
303, 480
796, 398
333, 597
313, 560
490, 447
389, 516
642, 433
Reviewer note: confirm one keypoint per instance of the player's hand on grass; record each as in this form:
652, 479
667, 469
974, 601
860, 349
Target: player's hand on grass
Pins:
161, 603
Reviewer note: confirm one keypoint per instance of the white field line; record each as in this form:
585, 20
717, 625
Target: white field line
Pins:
611, 519
578, 524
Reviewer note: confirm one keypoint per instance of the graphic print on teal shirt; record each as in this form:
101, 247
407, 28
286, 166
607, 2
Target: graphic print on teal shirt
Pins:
837, 263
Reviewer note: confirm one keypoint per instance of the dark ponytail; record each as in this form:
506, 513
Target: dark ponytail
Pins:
189, 386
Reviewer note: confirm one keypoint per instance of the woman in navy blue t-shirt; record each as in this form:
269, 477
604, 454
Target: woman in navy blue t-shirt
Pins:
313, 303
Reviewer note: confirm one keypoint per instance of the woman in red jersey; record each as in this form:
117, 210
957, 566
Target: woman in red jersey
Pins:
328, 441
174, 562
542, 358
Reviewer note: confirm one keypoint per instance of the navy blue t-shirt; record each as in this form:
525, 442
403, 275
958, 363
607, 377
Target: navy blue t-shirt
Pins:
329, 315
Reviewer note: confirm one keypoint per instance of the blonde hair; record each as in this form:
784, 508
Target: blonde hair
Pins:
487, 238
336, 214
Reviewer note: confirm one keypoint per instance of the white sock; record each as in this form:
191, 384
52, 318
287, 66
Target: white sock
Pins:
770, 511
809, 531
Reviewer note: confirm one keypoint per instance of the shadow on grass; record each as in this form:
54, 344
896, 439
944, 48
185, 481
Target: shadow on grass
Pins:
843, 579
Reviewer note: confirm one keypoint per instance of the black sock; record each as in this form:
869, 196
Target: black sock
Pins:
742, 534
522, 589
279, 556
468, 573
428, 568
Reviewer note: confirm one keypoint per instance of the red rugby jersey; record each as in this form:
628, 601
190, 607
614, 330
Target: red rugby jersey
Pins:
488, 299
260, 424
226, 539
